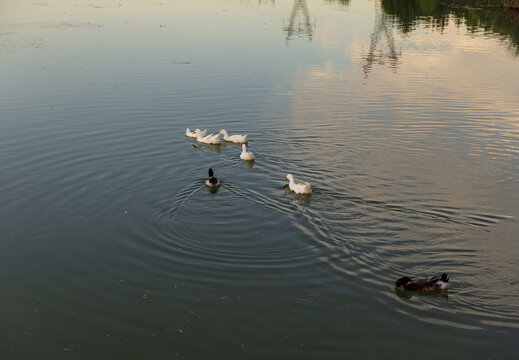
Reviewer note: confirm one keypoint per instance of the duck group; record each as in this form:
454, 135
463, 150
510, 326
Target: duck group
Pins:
246, 155
434, 284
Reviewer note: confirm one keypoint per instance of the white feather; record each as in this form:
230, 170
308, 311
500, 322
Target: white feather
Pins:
209, 139
238, 139
298, 188
443, 284
195, 133
246, 155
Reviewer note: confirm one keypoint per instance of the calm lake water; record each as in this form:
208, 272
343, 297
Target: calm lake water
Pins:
403, 115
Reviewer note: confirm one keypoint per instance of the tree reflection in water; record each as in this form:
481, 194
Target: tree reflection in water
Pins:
383, 30
299, 22
477, 15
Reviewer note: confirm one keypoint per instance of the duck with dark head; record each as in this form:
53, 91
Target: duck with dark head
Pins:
212, 181
433, 284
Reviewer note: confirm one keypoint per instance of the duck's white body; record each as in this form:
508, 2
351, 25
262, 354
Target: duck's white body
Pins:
298, 188
195, 133
238, 139
209, 139
246, 155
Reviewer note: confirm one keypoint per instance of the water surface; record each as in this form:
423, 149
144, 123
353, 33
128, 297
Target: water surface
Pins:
404, 117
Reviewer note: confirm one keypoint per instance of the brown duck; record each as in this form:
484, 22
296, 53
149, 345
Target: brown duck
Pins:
435, 283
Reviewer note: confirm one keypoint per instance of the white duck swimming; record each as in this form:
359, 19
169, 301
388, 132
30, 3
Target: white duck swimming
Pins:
246, 155
238, 139
209, 139
194, 134
298, 188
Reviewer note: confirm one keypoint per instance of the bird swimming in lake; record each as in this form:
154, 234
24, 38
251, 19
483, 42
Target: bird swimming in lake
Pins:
238, 139
194, 134
209, 139
435, 283
211, 181
298, 188
246, 155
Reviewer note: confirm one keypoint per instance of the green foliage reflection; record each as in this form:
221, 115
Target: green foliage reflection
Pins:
477, 15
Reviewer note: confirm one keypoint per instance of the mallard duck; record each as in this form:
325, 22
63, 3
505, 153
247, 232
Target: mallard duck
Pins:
246, 155
238, 139
435, 283
195, 133
209, 139
298, 188
211, 181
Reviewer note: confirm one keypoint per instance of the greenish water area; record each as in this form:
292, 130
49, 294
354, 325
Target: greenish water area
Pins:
402, 115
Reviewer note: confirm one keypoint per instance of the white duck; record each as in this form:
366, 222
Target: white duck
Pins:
238, 139
209, 139
246, 155
194, 134
298, 188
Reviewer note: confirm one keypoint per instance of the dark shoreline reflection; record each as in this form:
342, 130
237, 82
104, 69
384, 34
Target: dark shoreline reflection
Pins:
487, 15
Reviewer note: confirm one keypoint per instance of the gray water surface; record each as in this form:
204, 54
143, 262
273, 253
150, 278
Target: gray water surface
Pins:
403, 115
